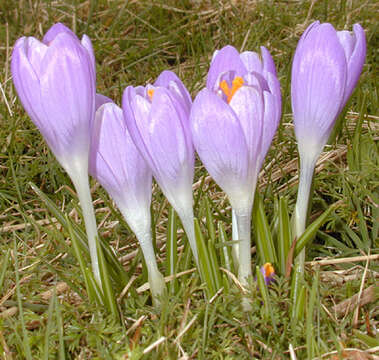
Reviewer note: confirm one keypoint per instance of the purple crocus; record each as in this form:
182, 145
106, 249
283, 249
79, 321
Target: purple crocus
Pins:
268, 273
326, 67
233, 122
118, 166
55, 81
157, 120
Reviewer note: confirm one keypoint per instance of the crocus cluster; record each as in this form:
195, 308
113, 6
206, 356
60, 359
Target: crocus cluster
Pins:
155, 133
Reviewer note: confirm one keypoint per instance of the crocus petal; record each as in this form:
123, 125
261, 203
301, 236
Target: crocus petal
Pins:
68, 92
167, 139
54, 31
274, 86
355, 61
247, 104
252, 61
347, 41
268, 273
307, 31
258, 80
270, 124
135, 107
101, 99
220, 142
27, 85
170, 80
317, 88
35, 51
227, 59
268, 61
87, 44
273, 111
117, 164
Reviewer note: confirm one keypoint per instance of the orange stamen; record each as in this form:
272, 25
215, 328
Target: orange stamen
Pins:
269, 269
150, 93
229, 92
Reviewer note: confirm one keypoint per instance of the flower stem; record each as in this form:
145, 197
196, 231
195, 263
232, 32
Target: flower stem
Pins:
156, 280
301, 209
81, 183
187, 220
235, 247
243, 217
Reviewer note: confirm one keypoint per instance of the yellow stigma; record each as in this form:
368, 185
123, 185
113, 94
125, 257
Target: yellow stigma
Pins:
269, 269
229, 92
150, 93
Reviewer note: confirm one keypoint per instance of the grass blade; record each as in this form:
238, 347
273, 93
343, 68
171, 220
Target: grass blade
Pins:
296, 285
309, 319
49, 326
61, 349
4, 266
25, 338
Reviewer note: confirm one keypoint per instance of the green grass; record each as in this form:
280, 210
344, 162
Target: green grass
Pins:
134, 41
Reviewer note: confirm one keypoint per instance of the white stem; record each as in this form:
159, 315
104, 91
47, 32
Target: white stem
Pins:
235, 247
187, 219
301, 209
156, 280
81, 183
140, 222
244, 226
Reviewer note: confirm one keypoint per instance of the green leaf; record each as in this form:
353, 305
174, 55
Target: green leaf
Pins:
311, 230
92, 293
172, 250
226, 259
263, 238
362, 224
284, 237
109, 298
206, 271
209, 220
300, 303
117, 271
214, 265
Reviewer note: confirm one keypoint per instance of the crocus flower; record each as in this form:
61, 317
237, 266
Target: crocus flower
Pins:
55, 81
268, 273
326, 67
118, 166
157, 120
233, 121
